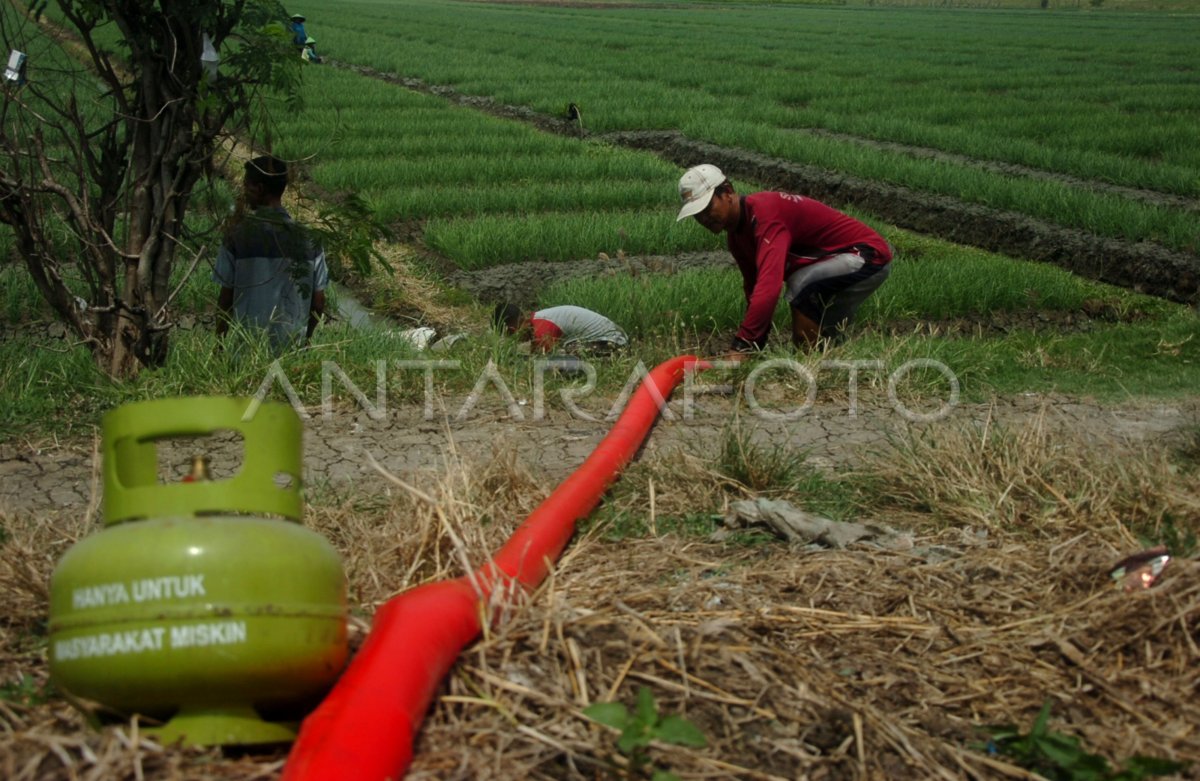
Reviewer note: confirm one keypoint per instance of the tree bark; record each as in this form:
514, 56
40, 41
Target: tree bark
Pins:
134, 171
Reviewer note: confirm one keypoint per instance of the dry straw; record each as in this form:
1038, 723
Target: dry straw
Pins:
795, 663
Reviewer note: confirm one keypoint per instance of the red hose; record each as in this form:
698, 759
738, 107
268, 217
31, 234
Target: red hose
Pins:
364, 728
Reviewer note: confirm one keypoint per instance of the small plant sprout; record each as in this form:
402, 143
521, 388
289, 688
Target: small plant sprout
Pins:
642, 726
1059, 757
25, 690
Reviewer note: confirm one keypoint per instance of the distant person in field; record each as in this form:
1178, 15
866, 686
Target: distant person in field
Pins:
563, 326
272, 275
310, 51
826, 262
299, 34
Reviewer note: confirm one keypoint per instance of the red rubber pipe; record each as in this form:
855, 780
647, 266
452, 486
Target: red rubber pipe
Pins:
364, 728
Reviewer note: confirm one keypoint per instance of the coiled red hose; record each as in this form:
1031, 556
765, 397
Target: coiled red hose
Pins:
364, 728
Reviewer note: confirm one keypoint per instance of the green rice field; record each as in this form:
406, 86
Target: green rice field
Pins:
1042, 113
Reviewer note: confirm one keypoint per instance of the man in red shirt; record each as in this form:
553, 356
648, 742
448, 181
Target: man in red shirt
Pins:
828, 262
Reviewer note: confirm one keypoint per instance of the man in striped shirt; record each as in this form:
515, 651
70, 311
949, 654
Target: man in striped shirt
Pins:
271, 274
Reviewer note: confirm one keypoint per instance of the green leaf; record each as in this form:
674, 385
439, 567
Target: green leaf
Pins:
610, 714
633, 739
647, 710
1039, 725
1138, 767
1003, 732
1061, 757
680, 731
663, 775
1060, 752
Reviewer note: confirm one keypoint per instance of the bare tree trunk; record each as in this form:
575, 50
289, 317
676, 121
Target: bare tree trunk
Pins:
132, 172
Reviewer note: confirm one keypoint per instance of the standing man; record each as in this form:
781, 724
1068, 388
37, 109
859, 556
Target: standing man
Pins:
272, 276
299, 34
828, 262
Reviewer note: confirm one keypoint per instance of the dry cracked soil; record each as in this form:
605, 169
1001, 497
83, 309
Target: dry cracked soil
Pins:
350, 451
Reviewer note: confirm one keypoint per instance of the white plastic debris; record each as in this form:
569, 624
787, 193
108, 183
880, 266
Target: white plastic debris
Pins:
15, 72
209, 58
418, 338
804, 528
446, 342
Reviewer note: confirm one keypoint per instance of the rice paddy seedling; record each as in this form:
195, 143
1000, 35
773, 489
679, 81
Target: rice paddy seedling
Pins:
490, 240
970, 281
465, 170
518, 195
448, 199
1065, 203
695, 302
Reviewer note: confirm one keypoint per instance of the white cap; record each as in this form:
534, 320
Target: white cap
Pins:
696, 188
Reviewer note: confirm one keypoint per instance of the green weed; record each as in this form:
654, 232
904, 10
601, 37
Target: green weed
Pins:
1178, 536
698, 524
757, 466
640, 727
1060, 757
26, 690
617, 524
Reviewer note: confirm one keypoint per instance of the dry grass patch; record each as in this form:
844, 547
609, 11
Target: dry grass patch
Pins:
410, 296
829, 665
1043, 478
794, 663
427, 528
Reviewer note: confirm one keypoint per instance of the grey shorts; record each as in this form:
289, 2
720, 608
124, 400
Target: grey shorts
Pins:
831, 290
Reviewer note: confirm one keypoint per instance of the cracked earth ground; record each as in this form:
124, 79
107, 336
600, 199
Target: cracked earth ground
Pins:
344, 452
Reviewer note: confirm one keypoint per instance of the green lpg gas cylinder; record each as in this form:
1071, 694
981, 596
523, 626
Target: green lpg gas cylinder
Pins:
203, 604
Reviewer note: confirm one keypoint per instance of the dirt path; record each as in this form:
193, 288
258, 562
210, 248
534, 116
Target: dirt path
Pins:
339, 449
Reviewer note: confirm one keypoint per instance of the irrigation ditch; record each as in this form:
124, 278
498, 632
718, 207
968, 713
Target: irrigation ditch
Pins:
1142, 266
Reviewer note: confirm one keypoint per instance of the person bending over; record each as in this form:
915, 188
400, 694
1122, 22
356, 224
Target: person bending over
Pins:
826, 262
568, 326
